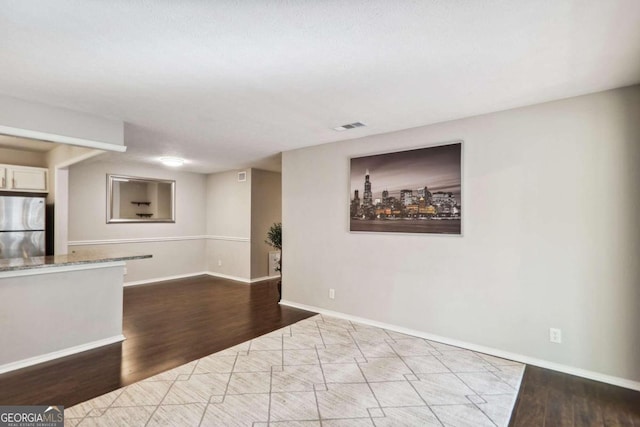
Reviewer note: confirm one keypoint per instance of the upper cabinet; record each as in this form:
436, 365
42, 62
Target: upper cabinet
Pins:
23, 178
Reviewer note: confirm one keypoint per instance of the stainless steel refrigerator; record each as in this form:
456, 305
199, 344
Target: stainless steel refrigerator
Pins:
22, 227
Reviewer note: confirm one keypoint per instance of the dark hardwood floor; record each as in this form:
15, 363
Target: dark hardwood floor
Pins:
549, 398
172, 323
167, 325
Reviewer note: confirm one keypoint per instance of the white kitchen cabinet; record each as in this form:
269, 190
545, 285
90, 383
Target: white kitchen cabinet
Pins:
23, 178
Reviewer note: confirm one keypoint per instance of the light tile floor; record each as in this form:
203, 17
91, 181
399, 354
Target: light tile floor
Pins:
321, 371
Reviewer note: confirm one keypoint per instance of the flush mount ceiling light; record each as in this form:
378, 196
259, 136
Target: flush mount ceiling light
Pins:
349, 126
172, 161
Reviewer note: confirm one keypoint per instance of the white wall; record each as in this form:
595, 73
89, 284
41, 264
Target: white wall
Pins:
177, 248
53, 310
266, 203
551, 235
228, 212
61, 211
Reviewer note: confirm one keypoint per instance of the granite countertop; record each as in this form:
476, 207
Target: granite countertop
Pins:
84, 257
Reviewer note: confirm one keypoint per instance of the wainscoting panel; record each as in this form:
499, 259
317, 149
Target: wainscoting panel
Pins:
229, 258
170, 257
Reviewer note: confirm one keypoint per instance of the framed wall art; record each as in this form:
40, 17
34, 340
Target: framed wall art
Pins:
411, 191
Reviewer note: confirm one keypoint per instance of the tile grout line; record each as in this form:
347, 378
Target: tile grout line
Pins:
122, 389
271, 379
471, 388
414, 388
163, 397
339, 333
324, 378
367, 381
224, 396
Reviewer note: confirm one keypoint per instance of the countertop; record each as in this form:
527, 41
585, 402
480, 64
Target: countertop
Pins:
85, 257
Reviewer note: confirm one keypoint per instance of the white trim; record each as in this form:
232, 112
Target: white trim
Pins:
60, 353
597, 376
200, 273
165, 278
227, 276
78, 159
24, 133
230, 238
134, 240
154, 239
50, 269
240, 279
263, 278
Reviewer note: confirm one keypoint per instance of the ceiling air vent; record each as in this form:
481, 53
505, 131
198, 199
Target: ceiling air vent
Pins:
349, 126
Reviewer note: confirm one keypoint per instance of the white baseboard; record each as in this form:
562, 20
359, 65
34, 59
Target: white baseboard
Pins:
60, 353
165, 278
596, 376
199, 273
227, 276
263, 278
240, 279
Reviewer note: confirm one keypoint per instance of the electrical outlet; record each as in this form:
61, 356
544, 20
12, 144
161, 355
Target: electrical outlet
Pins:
332, 293
555, 335
219, 263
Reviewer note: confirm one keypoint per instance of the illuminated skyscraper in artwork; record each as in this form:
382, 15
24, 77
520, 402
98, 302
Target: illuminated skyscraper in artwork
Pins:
367, 196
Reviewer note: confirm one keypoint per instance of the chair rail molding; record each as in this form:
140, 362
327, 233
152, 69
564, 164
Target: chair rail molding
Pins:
155, 239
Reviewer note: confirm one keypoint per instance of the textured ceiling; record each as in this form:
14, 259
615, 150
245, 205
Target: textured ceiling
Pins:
228, 84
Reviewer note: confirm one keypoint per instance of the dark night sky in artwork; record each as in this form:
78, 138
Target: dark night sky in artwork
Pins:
436, 167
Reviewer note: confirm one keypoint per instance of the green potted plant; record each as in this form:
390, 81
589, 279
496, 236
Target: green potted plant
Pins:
274, 239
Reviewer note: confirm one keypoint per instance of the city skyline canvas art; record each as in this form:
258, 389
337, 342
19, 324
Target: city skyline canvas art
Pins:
411, 191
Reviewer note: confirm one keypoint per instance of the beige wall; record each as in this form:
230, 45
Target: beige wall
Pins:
229, 258
229, 205
23, 158
228, 224
177, 248
551, 236
62, 157
171, 258
266, 203
214, 227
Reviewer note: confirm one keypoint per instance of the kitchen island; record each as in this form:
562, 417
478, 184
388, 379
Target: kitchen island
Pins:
54, 306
